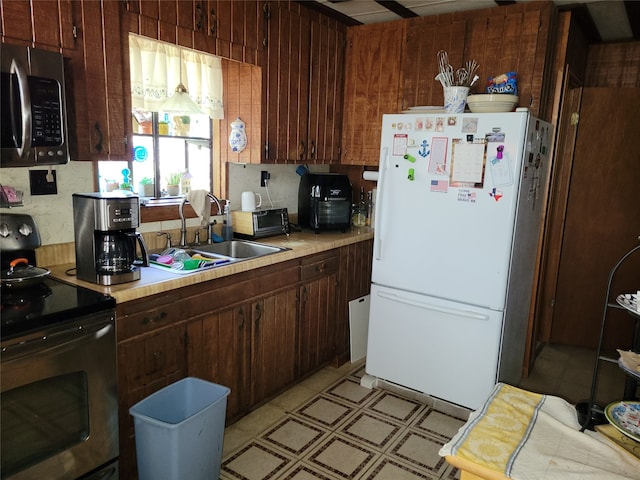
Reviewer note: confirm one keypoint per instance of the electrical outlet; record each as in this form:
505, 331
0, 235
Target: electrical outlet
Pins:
264, 176
39, 184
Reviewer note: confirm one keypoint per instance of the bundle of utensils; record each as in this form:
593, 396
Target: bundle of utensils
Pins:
464, 76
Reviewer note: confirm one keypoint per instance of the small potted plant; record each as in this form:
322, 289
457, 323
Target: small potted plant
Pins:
146, 187
181, 125
173, 184
163, 127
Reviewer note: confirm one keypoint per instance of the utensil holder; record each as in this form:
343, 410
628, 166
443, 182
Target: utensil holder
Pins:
455, 99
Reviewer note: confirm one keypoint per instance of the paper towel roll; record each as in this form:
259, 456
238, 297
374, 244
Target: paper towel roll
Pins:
370, 175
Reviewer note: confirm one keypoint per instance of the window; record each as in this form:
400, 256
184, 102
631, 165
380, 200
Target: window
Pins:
171, 143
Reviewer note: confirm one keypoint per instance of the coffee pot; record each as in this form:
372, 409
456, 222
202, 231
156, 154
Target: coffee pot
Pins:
106, 240
116, 252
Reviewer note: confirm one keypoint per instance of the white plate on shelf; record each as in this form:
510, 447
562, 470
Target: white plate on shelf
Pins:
617, 413
424, 109
628, 301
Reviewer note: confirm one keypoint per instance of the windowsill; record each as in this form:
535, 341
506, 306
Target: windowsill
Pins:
163, 209
162, 201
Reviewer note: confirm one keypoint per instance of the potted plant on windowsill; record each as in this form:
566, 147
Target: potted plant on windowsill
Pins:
146, 187
173, 184
181, 125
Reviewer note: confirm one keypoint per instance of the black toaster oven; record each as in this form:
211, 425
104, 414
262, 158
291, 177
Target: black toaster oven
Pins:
324, 202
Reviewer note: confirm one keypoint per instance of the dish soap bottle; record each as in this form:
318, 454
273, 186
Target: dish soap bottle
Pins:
227, 227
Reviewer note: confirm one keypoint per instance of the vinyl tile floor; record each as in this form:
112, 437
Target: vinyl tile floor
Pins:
329, 427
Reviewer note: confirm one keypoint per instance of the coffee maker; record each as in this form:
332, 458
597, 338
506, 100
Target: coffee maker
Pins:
106, 238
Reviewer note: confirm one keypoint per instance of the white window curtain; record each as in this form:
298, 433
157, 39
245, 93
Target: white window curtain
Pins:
158, 67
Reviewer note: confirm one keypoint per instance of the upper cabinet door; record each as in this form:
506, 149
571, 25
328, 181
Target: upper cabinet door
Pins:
99, 114
326, 74
286, 83
45, 24
371, 88
302, 89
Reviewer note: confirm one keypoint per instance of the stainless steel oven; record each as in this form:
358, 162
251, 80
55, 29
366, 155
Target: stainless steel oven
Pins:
58, 382
59, 400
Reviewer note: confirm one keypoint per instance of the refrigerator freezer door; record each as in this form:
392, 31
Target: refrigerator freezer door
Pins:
444, 349
440, 238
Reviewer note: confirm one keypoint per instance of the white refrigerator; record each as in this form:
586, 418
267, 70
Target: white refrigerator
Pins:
458, 219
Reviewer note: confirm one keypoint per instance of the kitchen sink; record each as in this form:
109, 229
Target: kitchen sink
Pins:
237, 249
204, 257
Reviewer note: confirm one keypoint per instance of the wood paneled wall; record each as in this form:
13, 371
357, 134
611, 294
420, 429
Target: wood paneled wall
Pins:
614, 65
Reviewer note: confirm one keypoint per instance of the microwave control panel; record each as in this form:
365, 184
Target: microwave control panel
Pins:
46, 112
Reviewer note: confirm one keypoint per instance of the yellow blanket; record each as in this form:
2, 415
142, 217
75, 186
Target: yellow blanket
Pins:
528, 436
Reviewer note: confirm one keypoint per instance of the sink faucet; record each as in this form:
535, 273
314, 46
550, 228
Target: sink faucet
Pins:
183, 221
168, 235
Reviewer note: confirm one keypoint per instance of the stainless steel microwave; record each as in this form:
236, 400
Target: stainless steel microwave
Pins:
33, 124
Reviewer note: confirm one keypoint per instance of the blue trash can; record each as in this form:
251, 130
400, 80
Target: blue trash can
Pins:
180, 431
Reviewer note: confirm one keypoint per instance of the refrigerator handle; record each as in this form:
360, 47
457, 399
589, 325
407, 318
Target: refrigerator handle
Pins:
384, 157
426, 306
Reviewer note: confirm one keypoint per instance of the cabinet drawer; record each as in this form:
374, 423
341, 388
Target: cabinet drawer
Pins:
319, 266
146, 316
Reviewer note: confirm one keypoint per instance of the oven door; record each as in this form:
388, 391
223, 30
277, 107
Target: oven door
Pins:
59, 400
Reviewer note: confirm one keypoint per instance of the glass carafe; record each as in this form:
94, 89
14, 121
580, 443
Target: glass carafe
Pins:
114, 253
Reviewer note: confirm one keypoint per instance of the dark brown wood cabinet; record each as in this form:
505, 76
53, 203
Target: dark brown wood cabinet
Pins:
302, 84
316, 314
99, 115
274, 323
45, 25
219, 352
324, 128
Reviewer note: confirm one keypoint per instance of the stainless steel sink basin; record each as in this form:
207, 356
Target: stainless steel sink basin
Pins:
237, 249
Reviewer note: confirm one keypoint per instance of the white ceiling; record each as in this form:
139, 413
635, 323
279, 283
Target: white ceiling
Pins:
610, 16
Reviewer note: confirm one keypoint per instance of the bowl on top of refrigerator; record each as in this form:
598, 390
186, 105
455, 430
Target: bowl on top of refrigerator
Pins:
492, 102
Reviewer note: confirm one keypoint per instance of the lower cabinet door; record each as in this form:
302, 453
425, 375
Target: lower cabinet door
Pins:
219, 352
273, 344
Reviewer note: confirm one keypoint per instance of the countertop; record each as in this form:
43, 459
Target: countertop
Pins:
155, 281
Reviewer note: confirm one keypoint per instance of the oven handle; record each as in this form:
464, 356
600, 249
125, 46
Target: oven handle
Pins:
43, 344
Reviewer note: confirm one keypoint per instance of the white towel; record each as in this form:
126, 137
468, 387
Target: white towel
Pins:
200, 204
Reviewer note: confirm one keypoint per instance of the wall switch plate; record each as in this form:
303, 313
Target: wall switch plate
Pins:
39, 184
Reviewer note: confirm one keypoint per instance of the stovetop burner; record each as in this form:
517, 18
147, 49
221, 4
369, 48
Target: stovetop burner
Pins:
53, 301
25, 296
